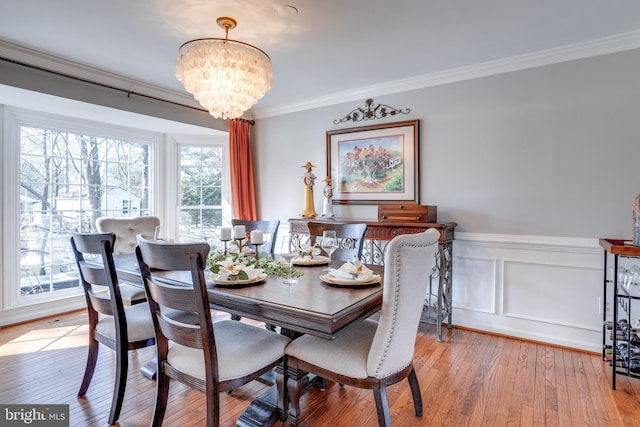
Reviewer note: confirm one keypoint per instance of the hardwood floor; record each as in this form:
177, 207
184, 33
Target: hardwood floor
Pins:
471, 379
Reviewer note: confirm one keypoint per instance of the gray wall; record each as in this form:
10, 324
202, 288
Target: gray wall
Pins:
549, 151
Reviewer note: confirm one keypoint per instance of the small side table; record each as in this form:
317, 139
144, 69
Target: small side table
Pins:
624, 299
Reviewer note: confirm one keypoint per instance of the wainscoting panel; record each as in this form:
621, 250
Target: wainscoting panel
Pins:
546, 289
474, 284
547, 293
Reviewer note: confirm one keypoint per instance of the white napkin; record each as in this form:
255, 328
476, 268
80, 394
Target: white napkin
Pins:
352, 270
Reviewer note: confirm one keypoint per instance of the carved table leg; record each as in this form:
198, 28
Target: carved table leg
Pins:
283, 394
295, 384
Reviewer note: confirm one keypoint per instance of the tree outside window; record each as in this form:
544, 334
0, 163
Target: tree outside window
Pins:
201, 204
68, 180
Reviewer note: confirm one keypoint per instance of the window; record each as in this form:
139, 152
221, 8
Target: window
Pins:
60, 174
201, 206
69, 176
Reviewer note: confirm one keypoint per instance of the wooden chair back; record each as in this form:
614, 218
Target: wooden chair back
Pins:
99, 276
350, 238
269, 228
165, 300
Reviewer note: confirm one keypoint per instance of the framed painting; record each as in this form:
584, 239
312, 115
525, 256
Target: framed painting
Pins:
373, 165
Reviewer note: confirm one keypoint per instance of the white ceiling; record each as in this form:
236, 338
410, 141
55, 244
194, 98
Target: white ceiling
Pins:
330, 47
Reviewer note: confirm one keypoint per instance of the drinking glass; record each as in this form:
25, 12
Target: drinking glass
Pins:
329, 244
289, 250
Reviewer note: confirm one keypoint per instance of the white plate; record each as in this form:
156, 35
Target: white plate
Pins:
351, 282
316, 260
230, 283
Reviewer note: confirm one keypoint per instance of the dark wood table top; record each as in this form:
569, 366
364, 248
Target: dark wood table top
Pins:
309, 306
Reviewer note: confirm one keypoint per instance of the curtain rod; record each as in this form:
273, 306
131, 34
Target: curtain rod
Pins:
128, 92
251, 122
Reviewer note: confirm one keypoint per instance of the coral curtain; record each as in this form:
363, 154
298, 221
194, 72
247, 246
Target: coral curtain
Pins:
242, 186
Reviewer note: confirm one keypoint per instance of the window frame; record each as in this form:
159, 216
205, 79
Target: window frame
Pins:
163, 189
172, 195
13, 120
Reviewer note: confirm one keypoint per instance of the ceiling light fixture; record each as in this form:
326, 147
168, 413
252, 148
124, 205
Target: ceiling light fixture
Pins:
225, 76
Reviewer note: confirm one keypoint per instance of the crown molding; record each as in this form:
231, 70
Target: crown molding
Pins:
72, 69
602, 46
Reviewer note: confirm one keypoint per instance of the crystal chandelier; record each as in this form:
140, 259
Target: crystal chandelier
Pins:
225, 76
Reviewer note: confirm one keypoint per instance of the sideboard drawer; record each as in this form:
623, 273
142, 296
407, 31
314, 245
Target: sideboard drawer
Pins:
388, 233
407, 213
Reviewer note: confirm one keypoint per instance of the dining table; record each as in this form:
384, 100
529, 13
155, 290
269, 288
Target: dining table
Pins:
310, 306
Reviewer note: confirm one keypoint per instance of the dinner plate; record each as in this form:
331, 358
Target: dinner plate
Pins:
236, 283
352, 283
316, 260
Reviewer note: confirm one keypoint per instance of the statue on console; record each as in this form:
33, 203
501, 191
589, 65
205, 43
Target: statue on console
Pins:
309, 211
327, 204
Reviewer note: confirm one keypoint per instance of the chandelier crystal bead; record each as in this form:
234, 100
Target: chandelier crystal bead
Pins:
227, 77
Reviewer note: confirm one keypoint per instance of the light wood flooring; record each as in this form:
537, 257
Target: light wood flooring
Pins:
471, 379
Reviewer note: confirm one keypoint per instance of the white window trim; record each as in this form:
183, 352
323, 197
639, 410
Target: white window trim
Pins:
172, 167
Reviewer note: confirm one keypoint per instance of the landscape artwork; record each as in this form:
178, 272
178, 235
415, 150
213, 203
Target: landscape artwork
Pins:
372, 165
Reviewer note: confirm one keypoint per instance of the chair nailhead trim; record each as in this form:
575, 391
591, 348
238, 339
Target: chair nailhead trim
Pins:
395, 309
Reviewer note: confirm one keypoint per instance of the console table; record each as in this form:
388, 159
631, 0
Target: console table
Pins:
437, 305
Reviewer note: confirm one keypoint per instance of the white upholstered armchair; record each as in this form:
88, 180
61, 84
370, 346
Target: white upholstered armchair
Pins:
374, 354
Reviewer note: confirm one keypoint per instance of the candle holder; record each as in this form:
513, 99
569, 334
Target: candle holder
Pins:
225, 245
257, 246
240, 245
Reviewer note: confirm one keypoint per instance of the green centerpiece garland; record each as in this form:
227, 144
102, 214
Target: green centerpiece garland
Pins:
265, 262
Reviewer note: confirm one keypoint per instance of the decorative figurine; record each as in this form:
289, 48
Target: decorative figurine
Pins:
327, 203
309, 179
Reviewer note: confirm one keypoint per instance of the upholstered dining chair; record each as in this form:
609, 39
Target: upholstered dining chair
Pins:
269, 228
126, 229
209, 357
112, 324
350, 238
370, 354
